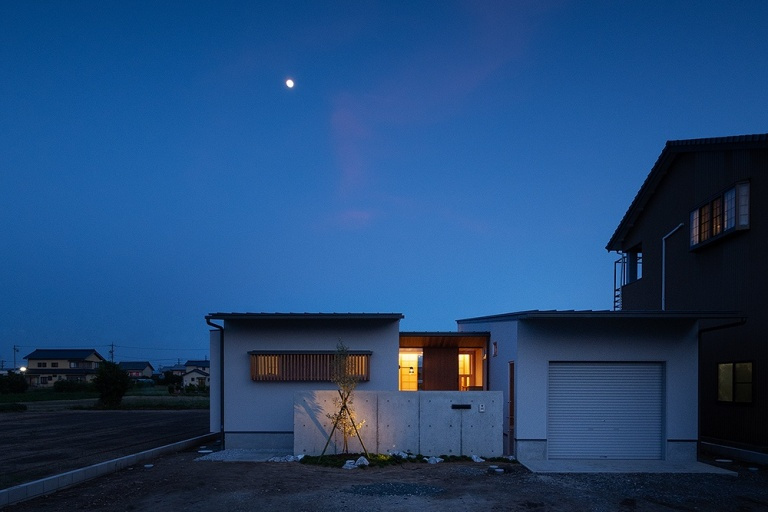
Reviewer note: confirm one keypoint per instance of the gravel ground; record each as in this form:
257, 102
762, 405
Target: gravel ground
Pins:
187, 481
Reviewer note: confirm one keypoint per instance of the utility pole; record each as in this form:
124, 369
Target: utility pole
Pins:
112, 353
15, 349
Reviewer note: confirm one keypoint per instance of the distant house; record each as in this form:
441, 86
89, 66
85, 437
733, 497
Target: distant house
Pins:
176, 369
137, 369
197, 364
47, 366
196, 377
695, 238
197, 372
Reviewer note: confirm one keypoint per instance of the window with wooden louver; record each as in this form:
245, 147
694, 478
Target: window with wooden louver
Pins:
300, 365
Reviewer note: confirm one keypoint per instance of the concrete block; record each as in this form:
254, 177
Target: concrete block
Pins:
312, 424
440, 423
682, 451
482, 425
398, 422
531, 449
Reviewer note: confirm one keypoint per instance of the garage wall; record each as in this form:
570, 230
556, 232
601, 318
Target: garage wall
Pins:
672, 343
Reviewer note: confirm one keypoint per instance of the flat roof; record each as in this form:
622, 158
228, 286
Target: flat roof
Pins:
536, 314
304, 316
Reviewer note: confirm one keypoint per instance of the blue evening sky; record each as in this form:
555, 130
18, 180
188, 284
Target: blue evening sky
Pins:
443, 159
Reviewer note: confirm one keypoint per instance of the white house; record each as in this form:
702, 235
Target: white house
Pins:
570, 385
260, 360
596, 385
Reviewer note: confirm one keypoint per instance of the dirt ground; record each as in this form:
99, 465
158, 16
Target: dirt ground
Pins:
55, 441
38, 444
181, 482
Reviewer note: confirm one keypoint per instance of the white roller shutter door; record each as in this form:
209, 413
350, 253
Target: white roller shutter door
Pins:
605, 410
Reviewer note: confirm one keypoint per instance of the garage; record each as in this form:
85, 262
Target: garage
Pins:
605, 410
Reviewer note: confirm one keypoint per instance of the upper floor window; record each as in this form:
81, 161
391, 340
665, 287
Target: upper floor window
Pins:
725, 213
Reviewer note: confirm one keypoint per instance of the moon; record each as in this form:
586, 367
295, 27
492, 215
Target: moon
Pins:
289, 83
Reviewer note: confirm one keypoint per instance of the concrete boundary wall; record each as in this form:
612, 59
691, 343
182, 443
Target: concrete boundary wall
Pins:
425, 422
51, 484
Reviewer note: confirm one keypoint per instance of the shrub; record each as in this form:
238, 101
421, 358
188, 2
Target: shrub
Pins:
13, 383
111, 382
72, 386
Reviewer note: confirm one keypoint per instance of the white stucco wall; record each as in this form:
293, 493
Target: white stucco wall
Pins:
589, 340
532, 344
504, 335
266, 408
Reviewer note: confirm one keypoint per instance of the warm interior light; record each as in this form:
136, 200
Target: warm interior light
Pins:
464, 364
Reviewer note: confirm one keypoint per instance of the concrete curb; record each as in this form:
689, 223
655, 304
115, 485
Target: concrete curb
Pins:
54, 483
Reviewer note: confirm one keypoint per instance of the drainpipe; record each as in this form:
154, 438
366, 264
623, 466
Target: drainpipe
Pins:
664, 266
220, 328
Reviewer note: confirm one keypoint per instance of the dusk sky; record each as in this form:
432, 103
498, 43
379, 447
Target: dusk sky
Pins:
440, 159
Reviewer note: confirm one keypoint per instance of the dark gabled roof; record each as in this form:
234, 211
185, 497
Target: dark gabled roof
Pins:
61, 371
71, 354
661, 167
135, 365
536, 314
202, 363
198, 372
304, 316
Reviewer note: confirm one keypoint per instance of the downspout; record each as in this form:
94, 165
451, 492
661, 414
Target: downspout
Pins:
664, 266
220, 328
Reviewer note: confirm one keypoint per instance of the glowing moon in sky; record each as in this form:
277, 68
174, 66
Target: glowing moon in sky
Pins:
289, 83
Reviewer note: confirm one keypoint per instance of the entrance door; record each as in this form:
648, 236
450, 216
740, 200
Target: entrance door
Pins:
441, 368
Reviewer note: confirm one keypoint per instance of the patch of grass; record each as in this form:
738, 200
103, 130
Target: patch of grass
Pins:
12, 407
164, 404
338, 460
45, 396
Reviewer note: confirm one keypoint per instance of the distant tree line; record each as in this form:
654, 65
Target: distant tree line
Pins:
13, 382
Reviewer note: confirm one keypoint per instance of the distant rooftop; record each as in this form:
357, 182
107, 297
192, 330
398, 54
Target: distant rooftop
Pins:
305, 316
63, 353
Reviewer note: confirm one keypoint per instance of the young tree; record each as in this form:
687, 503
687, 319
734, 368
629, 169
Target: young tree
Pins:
111, 382
344, 419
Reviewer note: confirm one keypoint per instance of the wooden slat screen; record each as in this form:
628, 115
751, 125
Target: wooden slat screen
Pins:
296, 366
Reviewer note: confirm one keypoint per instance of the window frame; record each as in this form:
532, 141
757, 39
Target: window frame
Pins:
305, 365
735, 384
721, 215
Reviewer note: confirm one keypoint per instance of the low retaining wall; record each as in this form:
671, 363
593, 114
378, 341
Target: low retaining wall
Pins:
425, 422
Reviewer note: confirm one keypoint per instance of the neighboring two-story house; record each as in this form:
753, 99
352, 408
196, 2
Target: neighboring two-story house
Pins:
695, 239
197, 373
46, 366
138, 369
